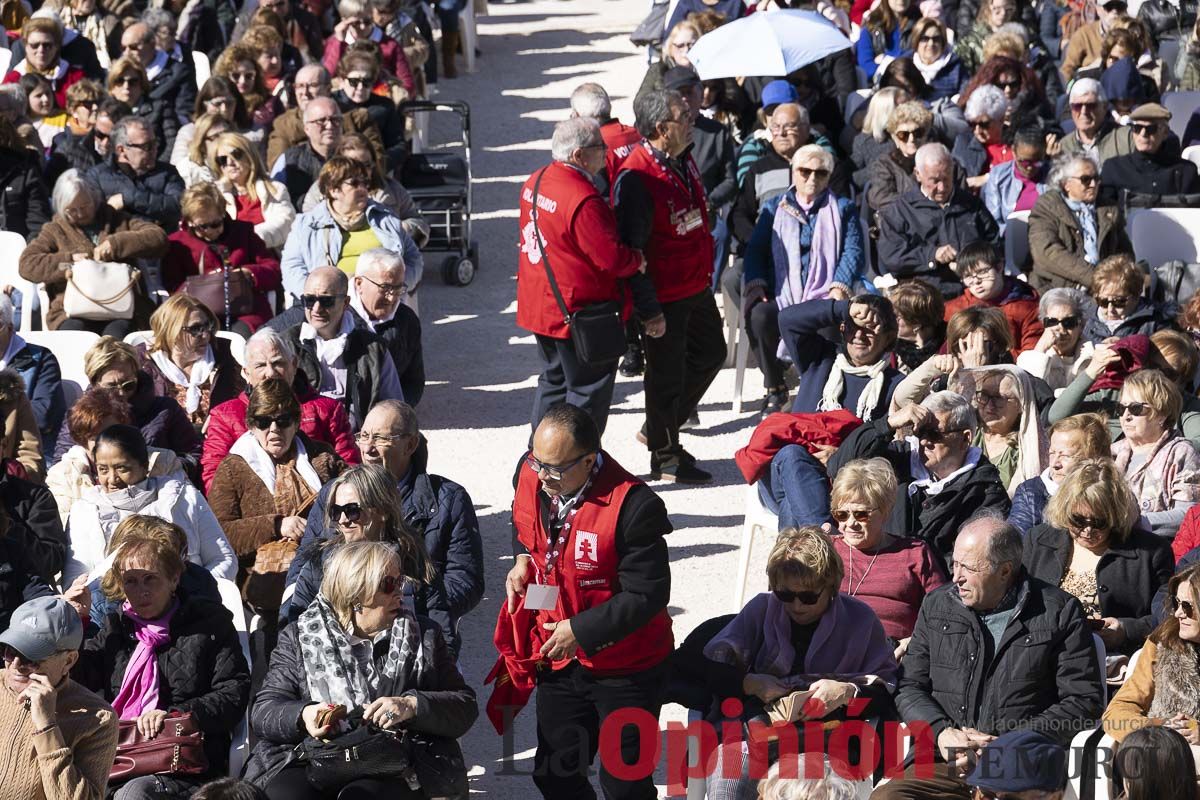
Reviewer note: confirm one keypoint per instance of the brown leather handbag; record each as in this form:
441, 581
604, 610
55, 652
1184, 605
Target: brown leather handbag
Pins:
227, 293
177, 750
264, 584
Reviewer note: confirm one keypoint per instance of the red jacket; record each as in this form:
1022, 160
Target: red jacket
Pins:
394, 60
779, 430
321, 418
1020, 307
579, 234
243, 249
72, 76
1189, 533
619, 141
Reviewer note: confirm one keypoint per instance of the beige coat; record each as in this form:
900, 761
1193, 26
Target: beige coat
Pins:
21, 440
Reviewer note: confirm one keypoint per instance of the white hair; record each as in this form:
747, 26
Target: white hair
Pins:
960, 416
813, 151
572, 134
69, 185
932, 154
1064, 167
6, 310
829, 787
1087, 86
591, 101
987, 101
379, 258
1015, 29
269, 337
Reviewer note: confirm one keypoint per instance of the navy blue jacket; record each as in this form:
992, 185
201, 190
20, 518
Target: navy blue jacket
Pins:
1029, 504
949, 81
39, 370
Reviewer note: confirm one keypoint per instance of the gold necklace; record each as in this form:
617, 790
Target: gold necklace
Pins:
850, 575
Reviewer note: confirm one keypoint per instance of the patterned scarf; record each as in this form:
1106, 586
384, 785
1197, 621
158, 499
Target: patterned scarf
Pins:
1085, 216
139, 686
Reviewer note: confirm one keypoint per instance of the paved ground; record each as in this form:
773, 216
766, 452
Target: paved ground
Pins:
482, 368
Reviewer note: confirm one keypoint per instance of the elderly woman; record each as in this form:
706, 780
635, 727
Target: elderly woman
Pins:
1062, 349
792, 639
166, 651
398, 673
75, 472
864, 493
239, 64
944, 72
675, 49
250, 194
1162, 687
194, 168
128, 82
1071, 440
1010, 433
872, 141
43, 40
1162, 467
1089, 547
186, 361
267, 43
208, 242
1069, 231
1117, 286
345, 225
982, 147
356, 23
265, 486
807, 245
85, 226
124, 487
218, 96
891, 175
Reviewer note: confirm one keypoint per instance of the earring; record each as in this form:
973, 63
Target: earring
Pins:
358, 608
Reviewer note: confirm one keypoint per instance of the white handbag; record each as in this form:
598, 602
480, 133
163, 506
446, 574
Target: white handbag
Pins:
100, 290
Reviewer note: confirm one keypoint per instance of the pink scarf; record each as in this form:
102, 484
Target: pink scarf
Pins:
139, 687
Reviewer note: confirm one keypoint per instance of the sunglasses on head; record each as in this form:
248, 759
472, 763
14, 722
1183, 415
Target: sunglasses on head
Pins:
282, 420
1134, 409
860, 515
235, 155
807, 598
1067, 323
389, 584
1175, 603
1080, 521
323, 300
352, 512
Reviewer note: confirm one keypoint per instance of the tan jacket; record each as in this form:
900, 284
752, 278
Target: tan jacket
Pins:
21, 439
68, 762
1126, 712
288, 131
1056, 242
1084, 48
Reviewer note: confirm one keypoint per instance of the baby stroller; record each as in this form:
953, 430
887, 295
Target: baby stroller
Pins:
440, 185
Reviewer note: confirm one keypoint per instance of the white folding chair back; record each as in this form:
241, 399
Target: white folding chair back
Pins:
140, 337
1016, 243
1162, 234
203, 68
69, 347
469, 36
758, 520
11, 246
1181, 105
237, 345
1192, 154
231, 598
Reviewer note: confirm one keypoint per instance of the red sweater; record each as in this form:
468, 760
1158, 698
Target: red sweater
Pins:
893, 580
1020, 306
1189, 533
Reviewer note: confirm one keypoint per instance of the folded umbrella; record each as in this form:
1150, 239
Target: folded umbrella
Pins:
771, 44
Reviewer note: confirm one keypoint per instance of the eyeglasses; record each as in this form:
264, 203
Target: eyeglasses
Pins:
324, 122
1189, 610
199, 329
359, 81
208, 226
352, 512
980, 275
807, 172
1079, 522
1134, 409
1113, 302
387, 288
128, 80
806, 598
235, 155
1008, 84
784, 129
860, 515
124, 387
1067, 323
931, 40
283, 421
1087, 180
323, 300
1144, 129
378, 440
356, 183
989, 399
99, 135
932, 435
308, 87
1077, 108
237, 77
39, 45
555, 472
388, 584
913, 135
145, 147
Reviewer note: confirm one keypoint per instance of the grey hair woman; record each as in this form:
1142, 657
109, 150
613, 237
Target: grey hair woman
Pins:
1066, 344
985, 112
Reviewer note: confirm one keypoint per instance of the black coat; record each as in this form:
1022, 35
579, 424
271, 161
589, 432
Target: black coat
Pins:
71, 151
34, 525
201, 670
19, 581
446, 706
913, 228
26, 204
1163, 173
1128, 575
365, 358
154, 196
1043, 676
175, 89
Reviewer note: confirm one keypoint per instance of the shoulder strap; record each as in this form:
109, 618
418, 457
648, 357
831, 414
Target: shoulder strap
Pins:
537, 235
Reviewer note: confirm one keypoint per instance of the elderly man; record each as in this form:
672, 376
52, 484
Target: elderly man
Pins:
661, 210
288, 130
1096, 134
436, 506
995, 650
922, 233
771, 174
1087, 42
591, 101
172, 82
298, 167
133, 181
1155, 166
378, 288
591, 564
63, 737
341, 358
573, 237
39, 371
271, 355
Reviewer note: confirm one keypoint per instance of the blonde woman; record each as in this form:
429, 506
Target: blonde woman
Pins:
250, 194
195, 168
872, 141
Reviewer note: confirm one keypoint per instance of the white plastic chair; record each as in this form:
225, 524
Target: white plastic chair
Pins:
203, 68
5, 59
468, 34
1168, 51
11, 247
758, 520
737, 346
231, 598
1181, 105
1162, 234
69, 347
1016, 242
1192, 154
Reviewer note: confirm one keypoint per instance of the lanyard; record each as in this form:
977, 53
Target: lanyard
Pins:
555, 546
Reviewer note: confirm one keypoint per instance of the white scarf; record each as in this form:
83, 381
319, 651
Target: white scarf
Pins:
924, 480
831, 395
329, 355
930, 71
14, 346
60, 71
1048, 482
264, 466
202, 370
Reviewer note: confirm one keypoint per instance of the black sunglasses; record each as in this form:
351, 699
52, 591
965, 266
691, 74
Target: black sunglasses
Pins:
322, 300
806, 172
360, 82
932, 435
807, 598
124, 387
932, 39
199, 329
1068, 323
235, 155
1144, 129
208, 226
1135, 409
283, 421
1008, 84
981, 123
1079, 522
1112, 302
1175, 603
860, 515
389, 584
1087, 180
906, 136
351, 511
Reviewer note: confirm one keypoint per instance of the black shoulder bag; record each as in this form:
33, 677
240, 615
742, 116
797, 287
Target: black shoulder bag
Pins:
597, 330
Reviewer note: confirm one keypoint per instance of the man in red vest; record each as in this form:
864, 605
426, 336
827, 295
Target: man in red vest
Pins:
591, 101
662, 211
592, 565
579, 245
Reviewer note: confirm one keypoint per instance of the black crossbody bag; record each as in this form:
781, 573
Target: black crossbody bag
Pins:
597, 330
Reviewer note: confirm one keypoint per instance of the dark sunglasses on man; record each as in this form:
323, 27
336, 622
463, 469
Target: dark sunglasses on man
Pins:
326, 301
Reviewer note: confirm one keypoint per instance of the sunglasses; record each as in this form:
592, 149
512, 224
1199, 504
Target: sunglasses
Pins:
389, 584
914, 136
1079, 522
198, 330
99, 135
356, 183
806, 172
1078, 107
128, 80
326, 301
1175, 603
124, 387
1134, 409
981, 123
807, 598
1142, 129
1008, 84
932, 435
1087, 180
12, 654
283, 421
359, 83
208, 226
235, 155
352, 512
1113, 302
931, 40
860, 515
1067, 323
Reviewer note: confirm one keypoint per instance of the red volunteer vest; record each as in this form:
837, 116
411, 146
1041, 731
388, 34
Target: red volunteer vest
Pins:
619, 140
586, 567
679, 256
562, 191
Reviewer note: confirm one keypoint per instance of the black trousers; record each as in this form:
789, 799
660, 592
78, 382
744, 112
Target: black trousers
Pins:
565, 378
680, 366
571, 704
763, 327
117, 328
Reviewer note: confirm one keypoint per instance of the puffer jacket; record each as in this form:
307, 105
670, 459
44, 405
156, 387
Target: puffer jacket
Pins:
25, 205
1043, 675
1029, 504
154, 196
201, 670
33, 525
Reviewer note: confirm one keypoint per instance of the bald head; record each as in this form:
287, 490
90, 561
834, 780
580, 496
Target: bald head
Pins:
323, 125
987, 560
325, 300
137, 42
789, 129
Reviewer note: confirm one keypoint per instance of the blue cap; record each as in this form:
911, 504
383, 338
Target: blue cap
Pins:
1020, 761
779, 91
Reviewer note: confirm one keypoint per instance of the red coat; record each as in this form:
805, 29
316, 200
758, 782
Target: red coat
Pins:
1020, 307
73, 75
619, 141
394, 60
322, 418
1189, 533
244, 250
779, 430
579, 233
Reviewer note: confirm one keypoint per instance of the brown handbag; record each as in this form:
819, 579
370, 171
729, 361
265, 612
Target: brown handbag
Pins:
177, 750
264, 584
227, 293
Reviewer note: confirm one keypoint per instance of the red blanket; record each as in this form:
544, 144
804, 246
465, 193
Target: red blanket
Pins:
779, 430
1135, 352
519, 642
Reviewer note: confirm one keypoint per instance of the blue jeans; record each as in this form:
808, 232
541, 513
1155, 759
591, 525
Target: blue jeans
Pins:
796, 488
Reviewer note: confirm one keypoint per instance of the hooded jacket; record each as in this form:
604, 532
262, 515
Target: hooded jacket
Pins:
1019, 302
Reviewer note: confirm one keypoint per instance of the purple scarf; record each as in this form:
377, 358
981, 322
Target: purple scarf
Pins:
849, 643
139, 687
823, 254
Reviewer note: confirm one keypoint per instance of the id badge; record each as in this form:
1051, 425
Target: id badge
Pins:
541, 597
694, 219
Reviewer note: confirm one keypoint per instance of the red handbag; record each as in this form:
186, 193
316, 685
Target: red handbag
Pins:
177, 750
